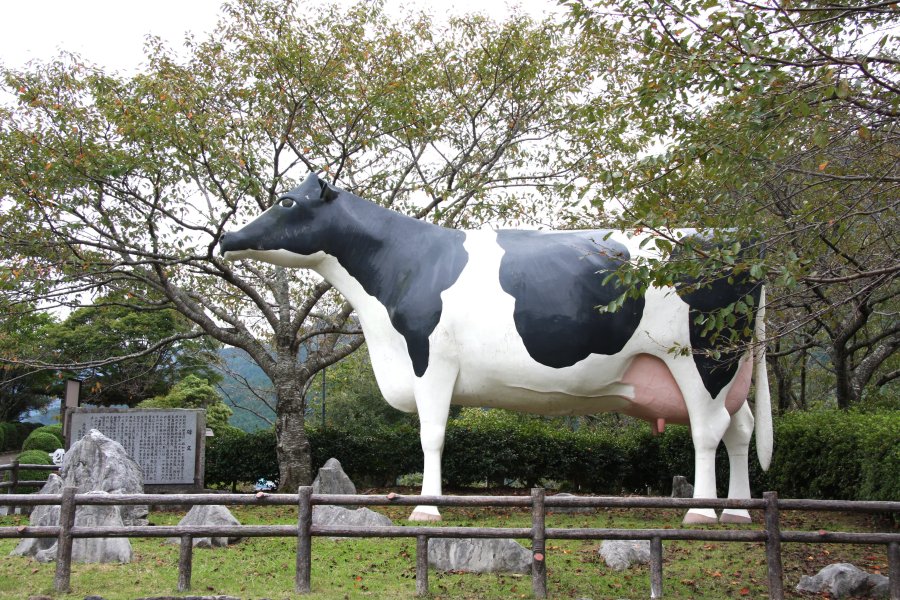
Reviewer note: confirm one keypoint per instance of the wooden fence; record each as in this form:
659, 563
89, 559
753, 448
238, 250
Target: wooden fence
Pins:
538, 533
15, 484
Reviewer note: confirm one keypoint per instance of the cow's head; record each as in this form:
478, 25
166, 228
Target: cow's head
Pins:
292, 233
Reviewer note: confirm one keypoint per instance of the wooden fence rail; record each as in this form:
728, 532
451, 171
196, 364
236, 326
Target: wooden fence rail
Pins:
14, 469
538, 533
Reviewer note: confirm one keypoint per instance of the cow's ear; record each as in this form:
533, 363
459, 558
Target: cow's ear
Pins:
328, 193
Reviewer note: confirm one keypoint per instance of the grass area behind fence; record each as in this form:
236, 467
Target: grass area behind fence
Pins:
385, 568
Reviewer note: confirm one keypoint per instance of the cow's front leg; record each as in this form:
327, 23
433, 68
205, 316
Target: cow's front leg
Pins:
737, 442
433, 392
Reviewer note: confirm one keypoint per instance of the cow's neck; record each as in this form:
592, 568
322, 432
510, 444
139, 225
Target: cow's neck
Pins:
393, 270
382, 249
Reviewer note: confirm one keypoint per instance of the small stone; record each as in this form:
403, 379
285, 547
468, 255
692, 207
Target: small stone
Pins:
681, 488
479, 555
332, 479
338, 516
569, 510
621, 554
840, 580
880, 586
208, 516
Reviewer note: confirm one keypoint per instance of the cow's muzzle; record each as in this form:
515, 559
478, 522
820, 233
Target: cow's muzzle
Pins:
228, 243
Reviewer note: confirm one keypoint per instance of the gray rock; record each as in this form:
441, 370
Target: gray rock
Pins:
100, 550
84, 550
208, 516
332, 479
879, 586
621, 554
338, 516
681, 488
841, 580
96, 462
42, 516
569, 510
479, 555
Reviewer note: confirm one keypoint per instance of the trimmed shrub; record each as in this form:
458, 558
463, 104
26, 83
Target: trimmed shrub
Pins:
838, 455
45, 441
53, 429
24, 429
34, 457
234, 457
13, 435
830, 454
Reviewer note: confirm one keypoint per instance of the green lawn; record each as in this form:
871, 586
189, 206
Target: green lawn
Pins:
385, 568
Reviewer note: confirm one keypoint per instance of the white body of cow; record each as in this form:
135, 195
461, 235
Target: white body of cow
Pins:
477, 359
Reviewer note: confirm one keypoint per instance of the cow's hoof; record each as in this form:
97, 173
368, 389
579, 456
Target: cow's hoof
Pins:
425, 515
737, 516
700, 516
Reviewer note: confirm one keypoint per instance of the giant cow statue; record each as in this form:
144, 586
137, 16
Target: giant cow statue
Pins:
509, 319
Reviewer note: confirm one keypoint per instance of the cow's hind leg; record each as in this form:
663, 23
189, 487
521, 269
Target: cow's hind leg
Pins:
433, 392
707, 430
737, 442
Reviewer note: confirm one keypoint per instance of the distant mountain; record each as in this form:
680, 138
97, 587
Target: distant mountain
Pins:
45, 415
247, 390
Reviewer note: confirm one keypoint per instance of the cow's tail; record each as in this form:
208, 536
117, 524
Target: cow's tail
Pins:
763, 411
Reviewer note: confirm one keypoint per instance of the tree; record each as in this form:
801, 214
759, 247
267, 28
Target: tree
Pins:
780, 122
353, 399
133, 180
21, 389
194, 392
124, 354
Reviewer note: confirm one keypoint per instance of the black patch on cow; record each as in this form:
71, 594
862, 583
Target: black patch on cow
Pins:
717, 357
557, 282
403, 262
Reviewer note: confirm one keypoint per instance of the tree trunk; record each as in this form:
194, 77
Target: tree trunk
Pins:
293, 449
783, 378
843, 389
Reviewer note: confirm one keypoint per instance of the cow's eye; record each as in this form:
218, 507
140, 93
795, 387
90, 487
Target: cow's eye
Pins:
286, 202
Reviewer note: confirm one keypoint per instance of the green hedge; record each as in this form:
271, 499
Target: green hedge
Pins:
52, 429
817, 455
838, 455
42, 440
12, 435
233, 456
34, 457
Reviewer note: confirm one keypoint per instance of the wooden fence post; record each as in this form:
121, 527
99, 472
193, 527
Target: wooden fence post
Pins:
185, 563
894, 570
304, 541
64, 540
538, 545
421, 565
656, 568
773, 546
13, 483
14, 476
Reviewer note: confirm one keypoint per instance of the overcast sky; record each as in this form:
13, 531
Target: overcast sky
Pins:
111, 33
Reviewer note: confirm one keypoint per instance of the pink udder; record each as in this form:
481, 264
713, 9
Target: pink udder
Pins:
657, 397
